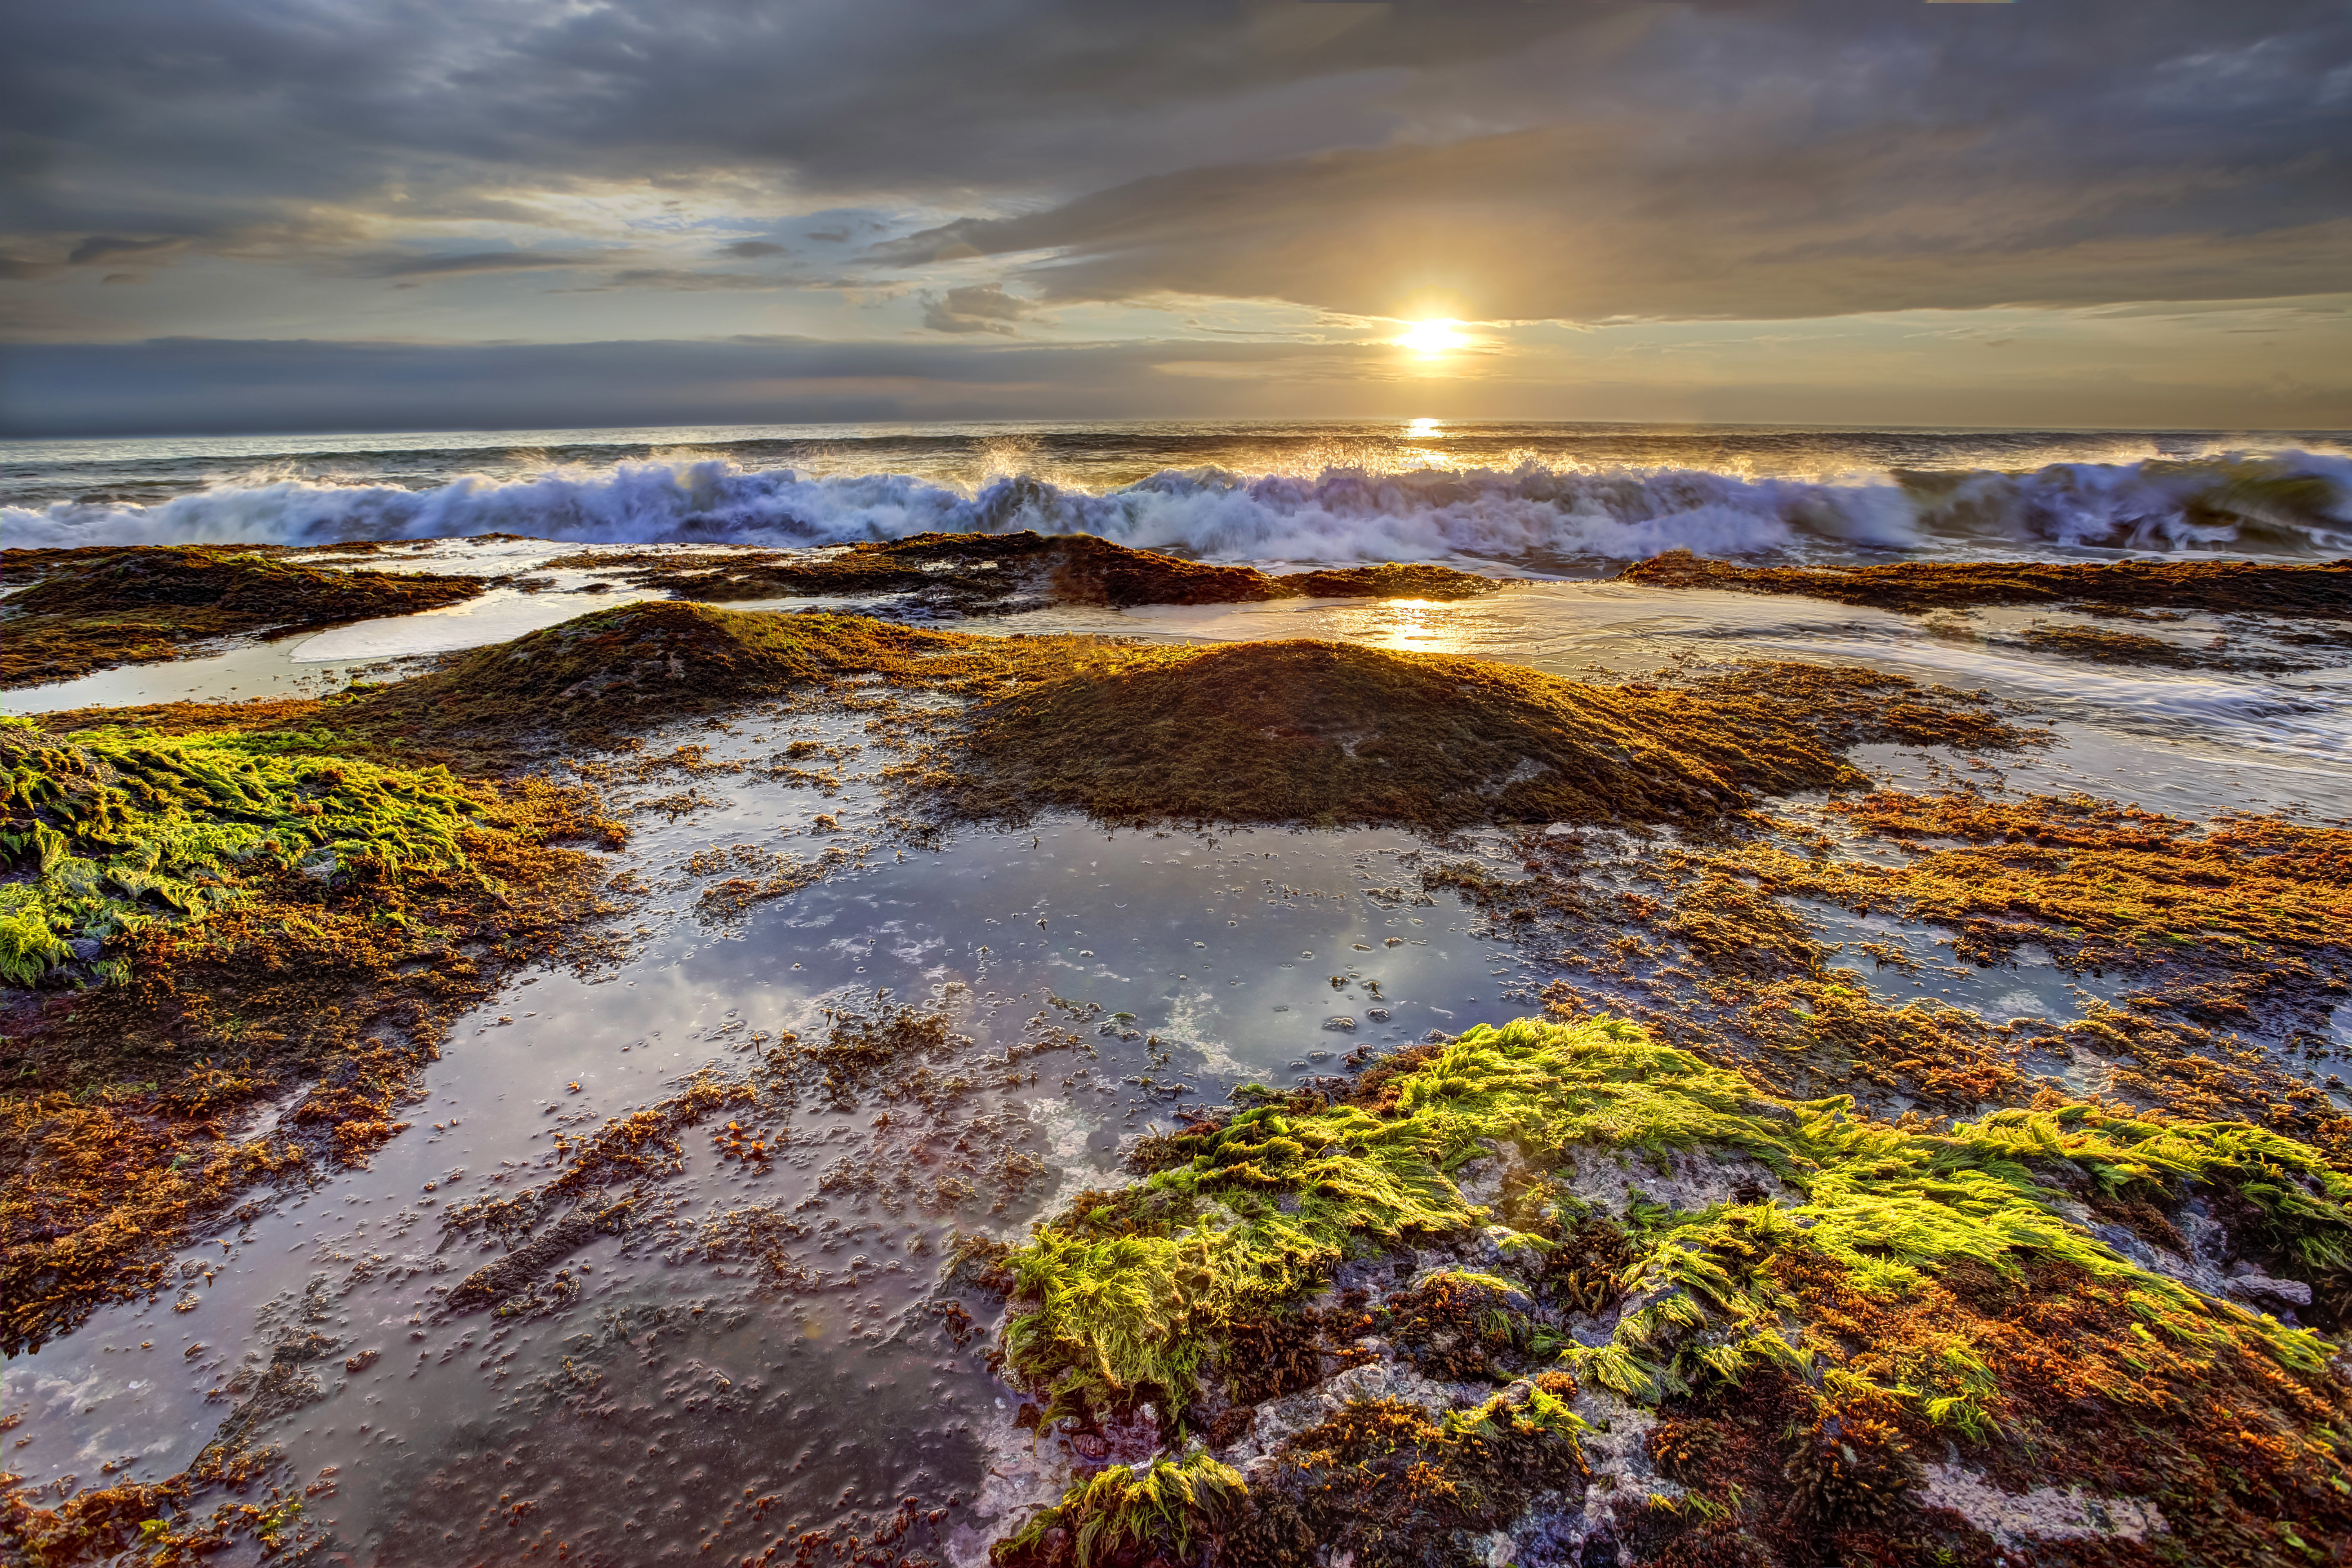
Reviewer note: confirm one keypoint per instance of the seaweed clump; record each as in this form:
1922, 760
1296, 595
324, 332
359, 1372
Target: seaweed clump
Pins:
1327, 734
600, 676
1914, 587
973, 573
193, 926
94, 609
1840, 1327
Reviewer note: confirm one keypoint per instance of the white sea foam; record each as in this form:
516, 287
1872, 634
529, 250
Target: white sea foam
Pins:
2290, 503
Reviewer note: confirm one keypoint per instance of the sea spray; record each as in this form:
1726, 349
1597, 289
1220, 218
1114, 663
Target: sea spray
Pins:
2289, 502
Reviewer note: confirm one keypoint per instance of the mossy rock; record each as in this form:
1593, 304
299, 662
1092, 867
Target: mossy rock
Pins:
1865, 1305
2321, 588
1328, 733
978, 573
92, 609
637, 666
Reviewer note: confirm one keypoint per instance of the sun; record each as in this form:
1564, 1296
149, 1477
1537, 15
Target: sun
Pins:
1433, 337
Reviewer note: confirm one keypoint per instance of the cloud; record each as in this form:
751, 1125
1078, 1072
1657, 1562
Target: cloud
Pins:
1496, 159
980, 308
681, 280
188, 385
2071, 372
108, 247
1587, 224
483, 261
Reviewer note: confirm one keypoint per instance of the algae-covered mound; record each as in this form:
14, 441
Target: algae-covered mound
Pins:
191, 926
1325, 733
2318, 589
1389, 581
1575, 1296
637, 665
92, 609
974, 573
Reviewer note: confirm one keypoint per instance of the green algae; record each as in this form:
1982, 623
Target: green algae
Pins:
267, 920
110, 831
1128, 1296
1845, 1284
1127, 1509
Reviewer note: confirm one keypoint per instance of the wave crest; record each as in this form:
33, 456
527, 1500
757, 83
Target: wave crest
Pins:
2276, 503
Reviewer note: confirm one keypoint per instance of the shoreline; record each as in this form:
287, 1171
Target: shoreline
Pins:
1692, 907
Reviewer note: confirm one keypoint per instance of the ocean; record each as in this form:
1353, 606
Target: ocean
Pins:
1566, 499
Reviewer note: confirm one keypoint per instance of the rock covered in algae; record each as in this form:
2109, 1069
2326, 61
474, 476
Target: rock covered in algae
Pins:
270, 921
1323, 733
974, 573
95, 608
2319, 588
633, 666
1689, 1322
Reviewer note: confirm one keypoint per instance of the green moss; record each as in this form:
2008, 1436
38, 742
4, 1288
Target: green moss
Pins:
111, 830
1124, 1511
1130, 1296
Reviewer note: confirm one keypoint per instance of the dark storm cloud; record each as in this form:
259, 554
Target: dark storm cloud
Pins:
207, 113
1570, 158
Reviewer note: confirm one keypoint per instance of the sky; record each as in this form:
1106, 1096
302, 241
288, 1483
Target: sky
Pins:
228, 216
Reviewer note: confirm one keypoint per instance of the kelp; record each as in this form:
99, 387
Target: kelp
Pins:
2098, 881
613, 672
96, 608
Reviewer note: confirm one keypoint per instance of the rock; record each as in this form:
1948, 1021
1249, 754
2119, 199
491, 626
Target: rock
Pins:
1339, 1023
2016, 1520
1279, 1420
2253, 1286
86, 948
1376, 1015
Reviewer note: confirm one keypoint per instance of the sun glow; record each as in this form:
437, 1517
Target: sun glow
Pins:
1433, 337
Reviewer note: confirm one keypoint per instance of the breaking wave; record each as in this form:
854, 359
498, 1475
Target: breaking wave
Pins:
2284, 503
